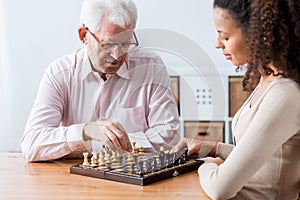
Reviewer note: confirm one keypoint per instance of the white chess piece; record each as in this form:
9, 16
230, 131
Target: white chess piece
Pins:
86, 160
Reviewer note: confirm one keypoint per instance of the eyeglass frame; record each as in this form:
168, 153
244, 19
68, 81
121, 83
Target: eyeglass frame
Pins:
113, 43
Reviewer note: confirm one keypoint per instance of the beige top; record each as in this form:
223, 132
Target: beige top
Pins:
265, 162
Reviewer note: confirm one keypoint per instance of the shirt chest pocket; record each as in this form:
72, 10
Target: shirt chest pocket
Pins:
132, 119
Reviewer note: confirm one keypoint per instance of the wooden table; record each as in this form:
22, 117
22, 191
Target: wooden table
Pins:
52, 180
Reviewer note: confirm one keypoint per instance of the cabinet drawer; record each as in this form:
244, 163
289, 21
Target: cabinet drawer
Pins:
204, 130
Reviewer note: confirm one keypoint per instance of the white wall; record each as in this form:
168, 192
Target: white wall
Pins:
39, 31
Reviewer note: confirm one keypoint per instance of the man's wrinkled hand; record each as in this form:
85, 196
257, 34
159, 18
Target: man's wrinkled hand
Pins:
112, 134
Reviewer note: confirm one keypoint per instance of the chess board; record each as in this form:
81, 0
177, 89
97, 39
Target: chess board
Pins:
141, 169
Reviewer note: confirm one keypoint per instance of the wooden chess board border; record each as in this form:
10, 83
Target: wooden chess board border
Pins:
135, 179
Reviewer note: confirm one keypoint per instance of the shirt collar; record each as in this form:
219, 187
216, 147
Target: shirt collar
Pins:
123, 72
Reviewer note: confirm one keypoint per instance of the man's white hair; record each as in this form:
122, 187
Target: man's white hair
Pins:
120, 12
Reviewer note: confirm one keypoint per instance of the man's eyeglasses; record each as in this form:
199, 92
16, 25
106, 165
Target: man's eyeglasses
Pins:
110, 46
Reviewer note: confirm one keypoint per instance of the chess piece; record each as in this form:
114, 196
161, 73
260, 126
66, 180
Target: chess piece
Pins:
130, 158
133, 168
107, 157
155, 166
162, 157
101, 160
114, 157
141, 152
120, 157
141, 168
94, 160
134, 149
161, 148
116, 164
149, 166
168, 158
85, 160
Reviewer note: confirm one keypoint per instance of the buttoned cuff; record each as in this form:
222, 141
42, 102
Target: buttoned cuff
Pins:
75, 139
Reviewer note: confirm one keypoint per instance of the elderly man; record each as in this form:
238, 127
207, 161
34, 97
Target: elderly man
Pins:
109, 92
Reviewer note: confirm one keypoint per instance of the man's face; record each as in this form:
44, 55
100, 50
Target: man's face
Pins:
104, 48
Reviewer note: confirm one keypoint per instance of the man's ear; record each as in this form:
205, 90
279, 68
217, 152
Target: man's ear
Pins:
82, 34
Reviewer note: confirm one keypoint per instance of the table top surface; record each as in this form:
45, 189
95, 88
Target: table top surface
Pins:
52, 180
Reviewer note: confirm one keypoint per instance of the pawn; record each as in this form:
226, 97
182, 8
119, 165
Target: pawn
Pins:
107, 158
161, 148
129, 158
141, 152
101, 160
94, 160
115, 157
86, 160
162, 157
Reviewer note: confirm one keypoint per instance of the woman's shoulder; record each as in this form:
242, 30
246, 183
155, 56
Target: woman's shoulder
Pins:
286, 86
284, 90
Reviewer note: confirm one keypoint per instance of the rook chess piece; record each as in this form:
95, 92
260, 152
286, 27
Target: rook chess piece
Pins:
86, 160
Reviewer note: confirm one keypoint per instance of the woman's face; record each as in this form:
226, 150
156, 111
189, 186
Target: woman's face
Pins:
230, 37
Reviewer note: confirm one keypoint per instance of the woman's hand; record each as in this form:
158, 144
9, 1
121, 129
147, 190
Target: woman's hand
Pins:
192, 145
216, 160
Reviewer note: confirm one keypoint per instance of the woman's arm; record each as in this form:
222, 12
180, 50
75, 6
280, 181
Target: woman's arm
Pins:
276, 120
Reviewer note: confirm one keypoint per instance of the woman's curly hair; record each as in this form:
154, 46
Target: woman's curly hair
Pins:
273, 37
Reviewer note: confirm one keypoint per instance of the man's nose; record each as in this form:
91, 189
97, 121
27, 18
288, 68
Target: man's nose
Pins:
116, 52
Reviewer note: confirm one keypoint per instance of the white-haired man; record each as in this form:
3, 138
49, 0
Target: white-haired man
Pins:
108, 92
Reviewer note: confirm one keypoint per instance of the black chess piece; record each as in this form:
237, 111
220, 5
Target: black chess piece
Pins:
162, 159
155, 168
141, 168
149, 166
132, 168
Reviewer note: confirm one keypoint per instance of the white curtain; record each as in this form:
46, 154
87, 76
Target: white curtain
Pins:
5, 84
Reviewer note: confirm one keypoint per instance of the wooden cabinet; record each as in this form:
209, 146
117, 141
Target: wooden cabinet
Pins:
204, 130
237, 96
195, 101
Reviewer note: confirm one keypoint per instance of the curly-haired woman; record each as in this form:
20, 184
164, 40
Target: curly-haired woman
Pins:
264, 161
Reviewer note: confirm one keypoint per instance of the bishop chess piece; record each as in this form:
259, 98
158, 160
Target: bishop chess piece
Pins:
134, 149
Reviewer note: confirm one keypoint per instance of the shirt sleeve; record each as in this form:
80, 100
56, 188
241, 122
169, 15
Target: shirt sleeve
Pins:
276, 114
223, 150
163, 117
45, 138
